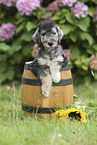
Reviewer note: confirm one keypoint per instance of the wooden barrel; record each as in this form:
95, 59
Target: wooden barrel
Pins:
61, 93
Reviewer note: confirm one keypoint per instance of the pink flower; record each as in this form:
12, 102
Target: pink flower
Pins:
27, 6
7, 31
80, 10
8, 2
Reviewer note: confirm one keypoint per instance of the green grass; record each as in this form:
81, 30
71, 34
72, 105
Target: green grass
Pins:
18, 129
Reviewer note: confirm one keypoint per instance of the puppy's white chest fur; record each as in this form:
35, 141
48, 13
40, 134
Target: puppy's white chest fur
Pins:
43, 61
48, 62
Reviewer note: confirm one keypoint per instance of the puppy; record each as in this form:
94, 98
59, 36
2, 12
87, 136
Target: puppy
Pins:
49, 56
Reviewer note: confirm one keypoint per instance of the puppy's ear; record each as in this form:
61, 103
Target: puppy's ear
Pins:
60, 33
36, 37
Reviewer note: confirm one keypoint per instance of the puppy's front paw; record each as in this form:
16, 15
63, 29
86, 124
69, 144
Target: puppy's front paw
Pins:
56, 77
46, 85
45, 92
41, 61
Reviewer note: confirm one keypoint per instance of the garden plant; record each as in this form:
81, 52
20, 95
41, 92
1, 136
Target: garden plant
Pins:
19, 19
18, 22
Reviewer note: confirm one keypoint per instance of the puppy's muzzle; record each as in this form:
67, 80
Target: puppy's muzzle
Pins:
50, 44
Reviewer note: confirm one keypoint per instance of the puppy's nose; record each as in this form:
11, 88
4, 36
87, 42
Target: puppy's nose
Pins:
50, 44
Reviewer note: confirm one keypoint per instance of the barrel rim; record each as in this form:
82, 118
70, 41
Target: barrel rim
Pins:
27, 66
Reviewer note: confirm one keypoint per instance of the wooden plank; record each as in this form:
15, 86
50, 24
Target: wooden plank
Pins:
68, 95
66, 74
29, 74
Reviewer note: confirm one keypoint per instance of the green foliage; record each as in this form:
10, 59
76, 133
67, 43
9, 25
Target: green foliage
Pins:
84, 23
80, 37
30, 25
67, 29
4, 47
82, 62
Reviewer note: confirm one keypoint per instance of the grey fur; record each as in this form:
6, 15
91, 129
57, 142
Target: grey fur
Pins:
48, 36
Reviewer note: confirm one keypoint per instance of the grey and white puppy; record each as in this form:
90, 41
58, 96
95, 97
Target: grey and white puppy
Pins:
49, 56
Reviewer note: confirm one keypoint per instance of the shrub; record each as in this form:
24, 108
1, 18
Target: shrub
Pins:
19, 19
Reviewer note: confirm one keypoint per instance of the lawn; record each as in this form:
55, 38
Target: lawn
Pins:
18, 129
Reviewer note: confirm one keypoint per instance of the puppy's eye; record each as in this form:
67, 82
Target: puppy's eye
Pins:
43, 34
54, 33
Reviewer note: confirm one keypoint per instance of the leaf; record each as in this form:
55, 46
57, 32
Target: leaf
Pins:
75, 52
4, 47
14, 48
26, 50
18, 16
83, 72
83, 62
20, 28
3, 67
95, 47
3, 57
62, 21
67, 29
84, 67
84, 23
87, 60
73, 37
2, 77
95, 75
75, 96
95, 1
10, 74
30, 26
78, 63
86, 36
78, 102
70, 18
48, 14
26, 36
91, 11
20, 20
7, 75
92, 104
17, 57
90, 51
56, 17
59, 13
96, 54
